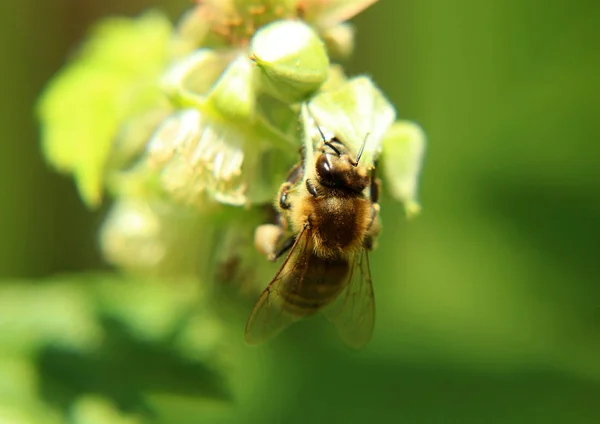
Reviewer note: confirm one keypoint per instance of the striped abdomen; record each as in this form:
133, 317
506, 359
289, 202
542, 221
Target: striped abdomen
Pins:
318, 283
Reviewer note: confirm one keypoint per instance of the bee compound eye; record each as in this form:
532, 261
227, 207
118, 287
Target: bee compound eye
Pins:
324, 168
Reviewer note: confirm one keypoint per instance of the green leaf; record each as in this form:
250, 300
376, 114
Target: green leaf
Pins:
114, 77
357, 113
403, 150
291, 59
32, 315
31, 412
98, 410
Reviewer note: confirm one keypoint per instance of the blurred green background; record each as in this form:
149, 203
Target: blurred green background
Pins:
488, 303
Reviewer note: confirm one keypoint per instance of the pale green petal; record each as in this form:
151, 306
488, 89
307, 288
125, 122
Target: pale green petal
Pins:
234, 95
192, 76
404, 148
197, 156
357, 113
201, 158
339, 40
328, 13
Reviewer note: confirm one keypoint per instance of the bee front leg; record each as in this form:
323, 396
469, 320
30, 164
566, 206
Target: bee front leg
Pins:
284, 193
312, 189
285, 246
270, 239
294, 177
375, 187
373, 229
374, 226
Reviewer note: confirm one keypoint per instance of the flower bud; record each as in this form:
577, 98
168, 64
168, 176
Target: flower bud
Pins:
291, 59
339, 40
404, 147
194, 75
357, 113
233, 95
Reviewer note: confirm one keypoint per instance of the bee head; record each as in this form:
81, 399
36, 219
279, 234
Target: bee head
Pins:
337, 169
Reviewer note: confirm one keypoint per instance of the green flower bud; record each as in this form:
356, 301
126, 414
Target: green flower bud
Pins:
291, 59
146, 236
194, 75
404, 147
357, 113
130, 236
335, 80
234, 96
339, 40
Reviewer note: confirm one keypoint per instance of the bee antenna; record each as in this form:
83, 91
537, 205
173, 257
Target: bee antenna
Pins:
360, 152
332, 147
316, 123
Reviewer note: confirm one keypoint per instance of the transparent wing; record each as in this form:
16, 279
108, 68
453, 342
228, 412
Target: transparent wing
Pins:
353, 313
269, 316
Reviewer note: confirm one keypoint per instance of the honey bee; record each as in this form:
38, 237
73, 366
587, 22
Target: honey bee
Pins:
331, 211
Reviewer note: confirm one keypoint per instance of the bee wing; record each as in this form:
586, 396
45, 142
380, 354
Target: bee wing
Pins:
269, 317
353, 313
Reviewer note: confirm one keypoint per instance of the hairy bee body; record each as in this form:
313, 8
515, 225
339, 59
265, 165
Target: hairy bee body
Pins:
329, 205
338, 222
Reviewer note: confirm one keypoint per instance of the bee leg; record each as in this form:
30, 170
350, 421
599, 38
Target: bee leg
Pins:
311, 189
269, 238
285, 246
374, 216
373, 229
294, 177
283, 196
375, 187
374, 226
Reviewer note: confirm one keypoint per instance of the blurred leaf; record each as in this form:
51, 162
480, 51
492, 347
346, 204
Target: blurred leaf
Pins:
28, 413
96, 410
120, 338
113, 78
34, 315
150, 309
339, 41
125, 369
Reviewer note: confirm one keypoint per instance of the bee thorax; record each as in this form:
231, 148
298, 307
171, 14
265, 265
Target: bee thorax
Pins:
339, 225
